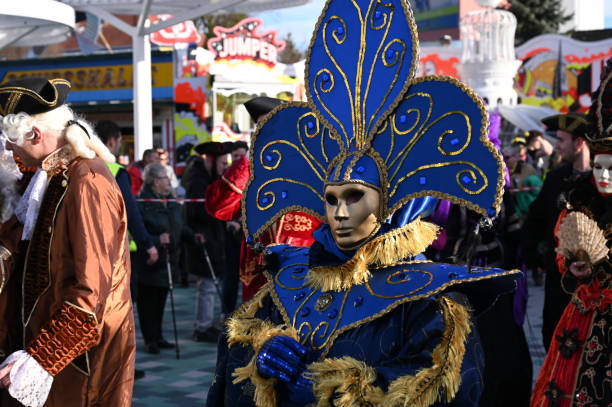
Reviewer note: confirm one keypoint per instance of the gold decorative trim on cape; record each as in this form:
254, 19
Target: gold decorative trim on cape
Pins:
387, 249
232, 186
353, 381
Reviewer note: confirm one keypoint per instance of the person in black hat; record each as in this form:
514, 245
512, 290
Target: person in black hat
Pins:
260, 106
205, 233
69, 340
537, 242
223, 201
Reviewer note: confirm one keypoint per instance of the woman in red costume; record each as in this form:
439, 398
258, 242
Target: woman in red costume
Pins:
577, 370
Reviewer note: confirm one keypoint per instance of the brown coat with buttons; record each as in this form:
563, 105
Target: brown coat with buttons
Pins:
74, 274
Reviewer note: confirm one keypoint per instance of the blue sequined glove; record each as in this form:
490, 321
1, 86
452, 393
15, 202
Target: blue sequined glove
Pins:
281, 357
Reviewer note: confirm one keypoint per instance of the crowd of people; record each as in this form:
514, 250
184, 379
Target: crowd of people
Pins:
170, 240
74, 223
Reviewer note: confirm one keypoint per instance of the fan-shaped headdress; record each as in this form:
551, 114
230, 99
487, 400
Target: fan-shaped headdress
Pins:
369, 120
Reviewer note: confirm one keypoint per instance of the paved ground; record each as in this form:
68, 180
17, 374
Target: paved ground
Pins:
185, 382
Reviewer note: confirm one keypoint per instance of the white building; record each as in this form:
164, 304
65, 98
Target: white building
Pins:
588, 15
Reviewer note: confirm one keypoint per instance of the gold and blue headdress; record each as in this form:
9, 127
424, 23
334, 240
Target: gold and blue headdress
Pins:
369, 120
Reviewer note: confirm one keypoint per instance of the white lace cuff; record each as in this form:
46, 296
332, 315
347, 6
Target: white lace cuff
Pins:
30, 383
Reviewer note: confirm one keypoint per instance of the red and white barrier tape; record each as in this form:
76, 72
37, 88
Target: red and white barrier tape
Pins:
201, 200
170, 199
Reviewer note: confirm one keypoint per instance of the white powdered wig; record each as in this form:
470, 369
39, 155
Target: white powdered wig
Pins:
9, 175
17, 127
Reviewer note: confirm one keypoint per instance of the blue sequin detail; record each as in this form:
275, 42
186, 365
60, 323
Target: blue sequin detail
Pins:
491, 212
422, 180
298, 296
452, 275
340, 31
403, 118
358, 301
466, 179
332, 314
326, 77
378, 15
454, 141
268, 158
265, 200
284, 194
360, 169
310, 125
390, 54
304, 312
249, 239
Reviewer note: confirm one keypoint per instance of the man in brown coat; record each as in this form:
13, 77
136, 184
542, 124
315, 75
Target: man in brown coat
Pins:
69, 337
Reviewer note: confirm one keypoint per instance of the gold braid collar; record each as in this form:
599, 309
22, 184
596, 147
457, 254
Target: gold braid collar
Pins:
387, 249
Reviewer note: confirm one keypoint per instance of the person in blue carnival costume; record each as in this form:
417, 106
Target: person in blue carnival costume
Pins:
360, 318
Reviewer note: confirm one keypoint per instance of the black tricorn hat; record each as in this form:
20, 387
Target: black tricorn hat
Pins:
260, 106
32, 95
574, 123
229, 146
211, 148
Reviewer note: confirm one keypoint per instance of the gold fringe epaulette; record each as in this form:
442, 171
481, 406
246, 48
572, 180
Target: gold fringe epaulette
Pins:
439, 382
351, 380
387, 249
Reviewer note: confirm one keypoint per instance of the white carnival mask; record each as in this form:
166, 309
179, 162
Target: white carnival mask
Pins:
602, 168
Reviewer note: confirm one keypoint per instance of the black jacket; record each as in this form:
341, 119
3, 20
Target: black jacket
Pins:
159, 218
195, 181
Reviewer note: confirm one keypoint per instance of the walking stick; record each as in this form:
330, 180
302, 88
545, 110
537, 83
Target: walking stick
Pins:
212, 273
171, 289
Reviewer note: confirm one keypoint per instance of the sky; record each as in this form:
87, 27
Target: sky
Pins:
300, 21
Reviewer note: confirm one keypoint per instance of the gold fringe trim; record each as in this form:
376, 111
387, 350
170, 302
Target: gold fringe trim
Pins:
387, 249
244, 328
265, 393
352, 381
347, 378
441, 381
249, 308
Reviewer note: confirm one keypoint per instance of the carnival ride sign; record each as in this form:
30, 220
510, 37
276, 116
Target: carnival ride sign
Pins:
243, 42
184, 32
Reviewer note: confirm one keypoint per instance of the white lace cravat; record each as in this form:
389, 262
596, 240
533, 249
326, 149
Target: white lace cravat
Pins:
29, 204
30, 383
